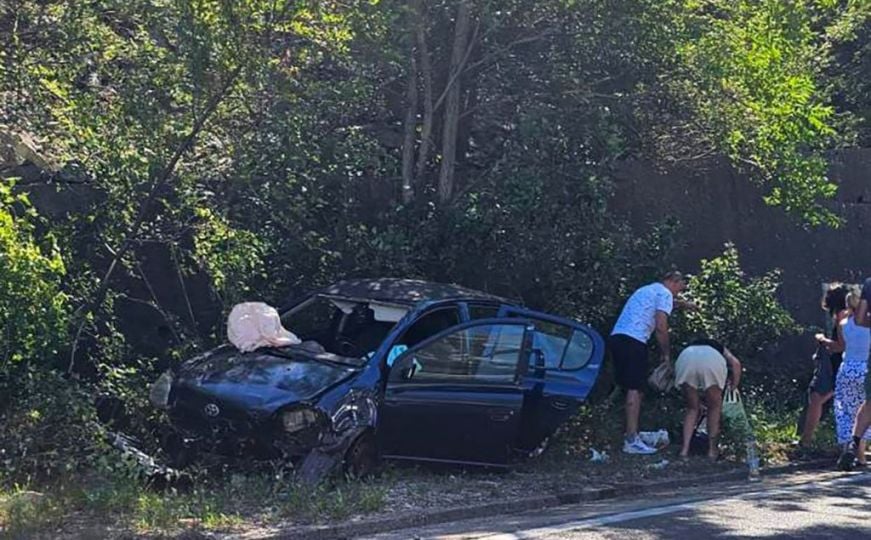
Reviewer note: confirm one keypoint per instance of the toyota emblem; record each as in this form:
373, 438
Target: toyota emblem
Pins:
211, 410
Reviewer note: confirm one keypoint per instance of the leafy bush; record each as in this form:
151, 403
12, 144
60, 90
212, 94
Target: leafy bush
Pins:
742, 312
47, 429
33, 310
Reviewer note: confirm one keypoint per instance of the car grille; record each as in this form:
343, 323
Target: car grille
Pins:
203, 414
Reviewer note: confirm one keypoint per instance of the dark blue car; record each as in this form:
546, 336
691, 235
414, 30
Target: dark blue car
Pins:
394, 369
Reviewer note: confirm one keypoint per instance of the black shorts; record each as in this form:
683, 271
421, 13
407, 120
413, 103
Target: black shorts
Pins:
630, 361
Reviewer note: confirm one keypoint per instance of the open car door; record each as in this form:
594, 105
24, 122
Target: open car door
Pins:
565, 360
457, 396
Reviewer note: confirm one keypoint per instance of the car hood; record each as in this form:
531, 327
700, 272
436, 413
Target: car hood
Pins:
265, 379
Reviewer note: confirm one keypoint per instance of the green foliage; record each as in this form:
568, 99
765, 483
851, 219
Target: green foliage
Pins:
218, 503
33, 310
25, 514
287, 122
741, 311
751, 73
47, 427
231, 256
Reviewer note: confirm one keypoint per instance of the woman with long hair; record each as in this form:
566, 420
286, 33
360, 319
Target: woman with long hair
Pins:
850, 381
822, 385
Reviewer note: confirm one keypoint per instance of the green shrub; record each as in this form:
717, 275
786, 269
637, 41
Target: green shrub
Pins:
742, 312
33, 309
48, 428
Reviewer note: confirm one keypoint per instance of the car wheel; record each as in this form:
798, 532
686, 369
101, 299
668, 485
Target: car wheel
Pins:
361, 459
540, 449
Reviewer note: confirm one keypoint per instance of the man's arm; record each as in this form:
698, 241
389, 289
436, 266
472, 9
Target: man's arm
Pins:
662, 336
685, 304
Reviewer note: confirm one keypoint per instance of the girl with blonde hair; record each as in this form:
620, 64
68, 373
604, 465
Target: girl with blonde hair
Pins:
850, 379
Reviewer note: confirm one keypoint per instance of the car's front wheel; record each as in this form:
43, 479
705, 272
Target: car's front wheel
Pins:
361, 459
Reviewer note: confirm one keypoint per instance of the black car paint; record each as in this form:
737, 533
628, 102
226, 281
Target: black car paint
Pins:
461, 424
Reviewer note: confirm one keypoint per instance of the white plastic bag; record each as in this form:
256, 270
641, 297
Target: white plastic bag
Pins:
254, 324
654, 439
598, 457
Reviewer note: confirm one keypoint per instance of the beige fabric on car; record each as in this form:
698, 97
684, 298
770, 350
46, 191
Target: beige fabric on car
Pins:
252, 325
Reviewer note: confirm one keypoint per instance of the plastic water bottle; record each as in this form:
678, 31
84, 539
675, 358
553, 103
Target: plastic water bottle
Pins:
752, 460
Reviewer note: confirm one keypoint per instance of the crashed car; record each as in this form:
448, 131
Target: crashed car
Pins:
390, 369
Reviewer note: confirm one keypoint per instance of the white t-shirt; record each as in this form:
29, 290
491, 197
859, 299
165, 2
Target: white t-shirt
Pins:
638, 318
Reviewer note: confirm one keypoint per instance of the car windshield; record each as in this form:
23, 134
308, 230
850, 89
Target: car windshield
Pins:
340, 327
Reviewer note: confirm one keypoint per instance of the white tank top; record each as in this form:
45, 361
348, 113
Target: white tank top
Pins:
857, 342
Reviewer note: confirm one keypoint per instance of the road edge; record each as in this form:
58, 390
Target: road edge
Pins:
409, 520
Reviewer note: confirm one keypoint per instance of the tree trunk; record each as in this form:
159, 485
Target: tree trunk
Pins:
452, 102
428, 113
410, 129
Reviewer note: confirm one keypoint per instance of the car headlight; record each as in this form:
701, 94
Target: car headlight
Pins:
298, 419
159, 392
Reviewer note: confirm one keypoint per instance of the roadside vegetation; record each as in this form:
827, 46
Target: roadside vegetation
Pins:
162, 160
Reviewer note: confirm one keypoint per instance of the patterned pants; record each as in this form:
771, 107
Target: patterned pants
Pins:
849, 395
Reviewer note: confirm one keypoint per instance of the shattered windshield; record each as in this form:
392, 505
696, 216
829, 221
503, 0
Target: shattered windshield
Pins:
338, 326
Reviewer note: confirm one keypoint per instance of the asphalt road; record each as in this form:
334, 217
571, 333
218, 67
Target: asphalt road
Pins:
808, 505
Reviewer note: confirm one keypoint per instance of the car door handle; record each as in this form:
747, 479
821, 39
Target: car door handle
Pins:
560, 404
501, 415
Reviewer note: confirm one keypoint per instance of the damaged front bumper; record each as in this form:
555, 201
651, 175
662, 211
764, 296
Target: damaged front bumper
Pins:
314, 441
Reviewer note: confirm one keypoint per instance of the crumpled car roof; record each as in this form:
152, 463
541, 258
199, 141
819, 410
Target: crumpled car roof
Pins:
404, 291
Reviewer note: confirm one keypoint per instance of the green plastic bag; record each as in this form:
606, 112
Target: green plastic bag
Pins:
734, 415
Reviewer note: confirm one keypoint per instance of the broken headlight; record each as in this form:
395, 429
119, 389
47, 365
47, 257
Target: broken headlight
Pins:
298, 419
159, 392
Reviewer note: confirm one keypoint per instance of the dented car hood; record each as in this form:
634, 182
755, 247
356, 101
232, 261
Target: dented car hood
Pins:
265, 380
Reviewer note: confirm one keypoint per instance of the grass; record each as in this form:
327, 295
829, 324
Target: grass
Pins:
24, 513
121, 504
223, 501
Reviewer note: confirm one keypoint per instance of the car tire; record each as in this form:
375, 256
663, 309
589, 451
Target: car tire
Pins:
539, 450
361, 459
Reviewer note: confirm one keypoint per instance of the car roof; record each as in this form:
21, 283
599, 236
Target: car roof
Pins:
405, 291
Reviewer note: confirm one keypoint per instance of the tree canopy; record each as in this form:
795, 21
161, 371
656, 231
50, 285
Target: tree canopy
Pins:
270, 145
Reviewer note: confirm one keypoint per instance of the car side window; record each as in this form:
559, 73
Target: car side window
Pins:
561, 346
579, 352
485, 354
551, 339
430, 324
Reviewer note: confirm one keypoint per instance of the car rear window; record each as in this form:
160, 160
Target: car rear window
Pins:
562, 346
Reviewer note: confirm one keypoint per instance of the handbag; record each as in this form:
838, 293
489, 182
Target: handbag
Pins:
662, 378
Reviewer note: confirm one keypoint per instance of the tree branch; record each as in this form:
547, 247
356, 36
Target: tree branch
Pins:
159, 182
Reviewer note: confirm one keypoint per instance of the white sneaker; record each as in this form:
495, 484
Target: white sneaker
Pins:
637, 446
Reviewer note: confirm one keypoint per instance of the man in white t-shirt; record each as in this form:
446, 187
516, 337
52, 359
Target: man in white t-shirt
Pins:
646, 311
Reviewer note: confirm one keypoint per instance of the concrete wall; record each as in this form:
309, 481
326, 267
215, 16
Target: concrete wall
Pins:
715, 205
